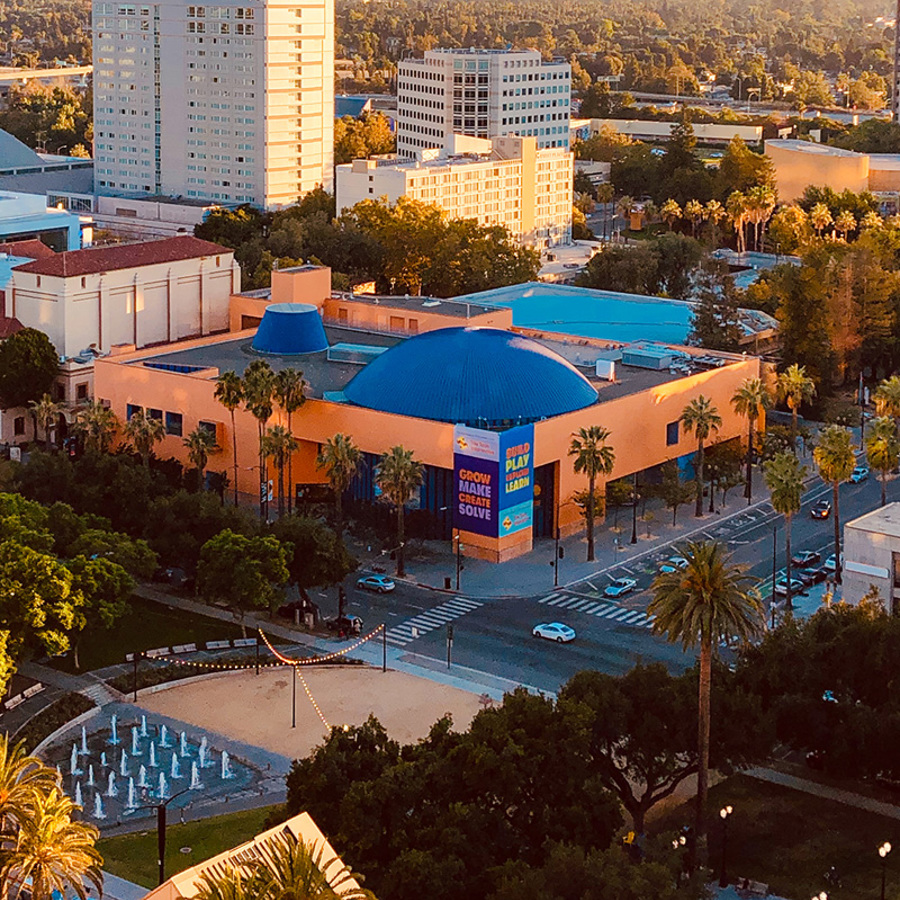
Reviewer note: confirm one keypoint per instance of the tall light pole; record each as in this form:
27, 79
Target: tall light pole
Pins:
725, 812
634, 497
883, 852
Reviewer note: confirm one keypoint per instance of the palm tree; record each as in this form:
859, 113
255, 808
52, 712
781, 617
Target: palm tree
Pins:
605, 194
820, 217
709, 601
259, 385
702, 418
201, 444
280, 444
751, 399
54, 852
340, 459
737, 209
835, 460
625, 207
295, 870
45, 412
670, 211
22, 779
714, 212
289, 392
784, 477
592, 458
870, 220
693, 212
144, 433
226, 883
230, 393
883, 450
845, 223
887, 399
97, 424
795, 388
398, 475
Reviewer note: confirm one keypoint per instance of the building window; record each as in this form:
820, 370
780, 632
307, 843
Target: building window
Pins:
174, 423
39, 281
19, 425
154, 414
81, 391
672, 434
209, 427
131, 410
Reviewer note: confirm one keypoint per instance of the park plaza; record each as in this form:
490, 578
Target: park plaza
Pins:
487, 406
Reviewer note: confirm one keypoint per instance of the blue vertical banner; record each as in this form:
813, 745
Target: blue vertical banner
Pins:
493, 480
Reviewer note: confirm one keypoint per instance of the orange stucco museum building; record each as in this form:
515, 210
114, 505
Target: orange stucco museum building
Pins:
418, 372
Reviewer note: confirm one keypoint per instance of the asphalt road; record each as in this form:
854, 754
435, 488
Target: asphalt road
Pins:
494, 636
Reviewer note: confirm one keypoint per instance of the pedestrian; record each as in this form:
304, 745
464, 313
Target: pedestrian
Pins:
181, 816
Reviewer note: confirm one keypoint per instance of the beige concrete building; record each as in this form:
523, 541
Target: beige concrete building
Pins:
482, 93
799, 164
134, 294
231, 103
872, 555
507, 181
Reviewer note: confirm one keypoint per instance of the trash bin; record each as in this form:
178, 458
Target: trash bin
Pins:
447, 583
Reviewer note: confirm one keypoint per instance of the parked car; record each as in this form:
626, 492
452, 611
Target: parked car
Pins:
781, 587
816, 574
806, 558
673, 564
345, 624
554, 631
829, 565
820, 510
620, 587
380, 584
859, 474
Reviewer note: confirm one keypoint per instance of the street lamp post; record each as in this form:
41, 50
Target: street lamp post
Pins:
634, 493
161, 810
883, 852
774, 570
556, 556
458, 558
725, 812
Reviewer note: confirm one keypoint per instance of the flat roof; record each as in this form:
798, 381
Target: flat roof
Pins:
811, 147
454, 307
884, 520
331, 376
605, 315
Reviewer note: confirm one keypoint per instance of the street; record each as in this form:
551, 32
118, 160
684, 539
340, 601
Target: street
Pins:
495, 635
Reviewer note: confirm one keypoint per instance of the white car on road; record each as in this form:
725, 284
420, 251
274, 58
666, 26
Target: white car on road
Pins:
554, 631
620, 587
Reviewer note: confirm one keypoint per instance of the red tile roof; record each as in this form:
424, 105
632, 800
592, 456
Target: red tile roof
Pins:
8, 326
32, 249
122, 256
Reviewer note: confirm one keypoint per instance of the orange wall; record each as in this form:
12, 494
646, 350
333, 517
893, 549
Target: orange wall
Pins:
371, 316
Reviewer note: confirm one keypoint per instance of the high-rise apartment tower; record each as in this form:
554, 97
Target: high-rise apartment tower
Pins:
482, 93
232, 102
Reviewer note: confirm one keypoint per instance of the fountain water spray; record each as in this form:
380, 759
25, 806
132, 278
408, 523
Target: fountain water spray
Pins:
143, 726
163, 787
152, 754
132, 802
183, 746
111, 789
164, 737
73, 761
203, 753
103, 761
123, 764
195, 777
113, 730
135, 742
142, 777
175, 770
84, 746
98, 807
78, 799
90, 780
226, 767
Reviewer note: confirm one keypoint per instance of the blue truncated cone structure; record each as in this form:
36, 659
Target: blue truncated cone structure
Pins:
482, 377
290, 329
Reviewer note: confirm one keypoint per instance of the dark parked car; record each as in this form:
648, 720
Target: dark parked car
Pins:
806, 558
345, 624
815, 574
820, 510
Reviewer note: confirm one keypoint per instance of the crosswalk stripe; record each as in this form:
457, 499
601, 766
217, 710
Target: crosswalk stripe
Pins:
557, 601
458, 607
636, 616
548, 598
620, 615
580, 605
591, 608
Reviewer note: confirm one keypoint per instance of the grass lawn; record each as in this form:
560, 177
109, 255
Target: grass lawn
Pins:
146, 626
789, 839
134, 856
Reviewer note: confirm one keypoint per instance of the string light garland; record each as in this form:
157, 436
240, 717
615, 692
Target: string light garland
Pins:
337, 654
312, 699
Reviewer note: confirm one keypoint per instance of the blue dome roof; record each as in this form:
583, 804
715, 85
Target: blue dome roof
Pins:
476, 376
288, 329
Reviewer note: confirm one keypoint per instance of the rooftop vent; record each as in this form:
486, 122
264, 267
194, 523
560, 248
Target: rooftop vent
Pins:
289, 329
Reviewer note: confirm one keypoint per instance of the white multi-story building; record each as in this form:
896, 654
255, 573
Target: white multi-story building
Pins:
232, 102
482, 93
506, 181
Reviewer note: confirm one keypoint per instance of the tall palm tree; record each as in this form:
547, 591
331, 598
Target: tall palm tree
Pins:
22, 779
714, 212
201, 444
340, 459
737, 208
97, 424
883, 450
784, 477
820, 217
795, 388
670, 212
835, 460
227, 883
230, 393
693, 212
259, 386
398, 475
751, 399
605, 194
45, 411
279, 444
289, 392
701, 418
845, 223
710, 600
144, 433
54, 852
593, 457
295, 870
887, 399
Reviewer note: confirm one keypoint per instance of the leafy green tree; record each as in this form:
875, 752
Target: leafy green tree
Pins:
230, 393
672, 489
751, 400
710, 601
835, 460
887, 399
789, 229
715, 317
701, 419
200, 443
740, 169
795, 388
29, 366
242, 572
55, 114
883, 450
369, 135
340, 458
398, 475
593, 457
318, 558
784, 477
290, 387
132, 554
144, 432
97, 424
